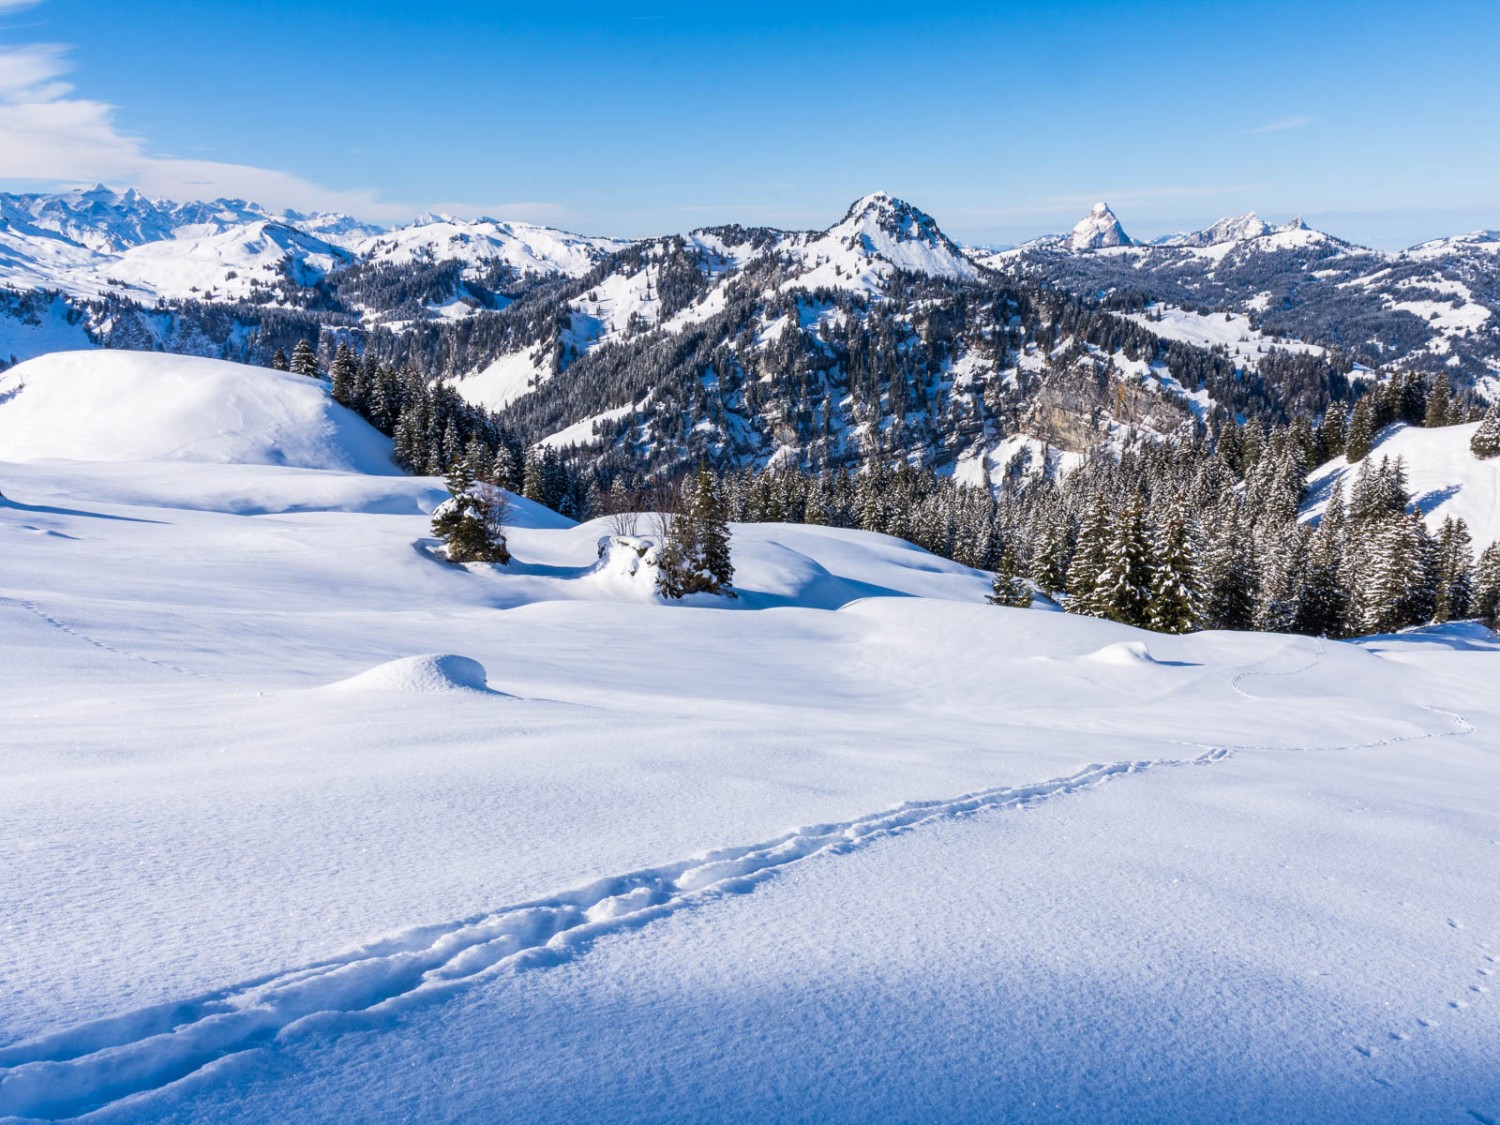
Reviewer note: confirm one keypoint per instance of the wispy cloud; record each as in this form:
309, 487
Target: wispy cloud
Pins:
1294, 122
48, 134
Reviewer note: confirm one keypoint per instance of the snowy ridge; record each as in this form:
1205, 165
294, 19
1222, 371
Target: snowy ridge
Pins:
524, 247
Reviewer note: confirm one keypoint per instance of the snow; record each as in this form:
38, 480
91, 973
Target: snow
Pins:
142, 406
1230, 331
431, 673
1444, 477
1098, 230
507, 378
582, 431
525, 247
853, 846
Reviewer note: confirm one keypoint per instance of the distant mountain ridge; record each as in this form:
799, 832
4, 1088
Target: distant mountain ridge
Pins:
877, 338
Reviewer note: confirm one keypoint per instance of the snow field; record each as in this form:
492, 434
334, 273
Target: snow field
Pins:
841, 848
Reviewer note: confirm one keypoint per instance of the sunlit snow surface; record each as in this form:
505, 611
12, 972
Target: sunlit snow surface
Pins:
298, 823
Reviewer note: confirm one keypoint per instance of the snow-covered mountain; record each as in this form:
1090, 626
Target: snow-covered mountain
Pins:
1098, 230
1434, 307
88, 244
479, 243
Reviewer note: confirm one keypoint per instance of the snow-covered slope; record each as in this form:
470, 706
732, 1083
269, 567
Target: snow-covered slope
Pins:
524, 247
1444, 477
296, 819
129, 406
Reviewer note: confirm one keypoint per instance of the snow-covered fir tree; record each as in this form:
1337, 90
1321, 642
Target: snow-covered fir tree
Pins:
471, 522
694, 557
1455, 571
1175, 604
1486, 440
1009, 587
304, 359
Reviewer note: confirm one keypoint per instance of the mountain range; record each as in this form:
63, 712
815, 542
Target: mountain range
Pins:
878, 337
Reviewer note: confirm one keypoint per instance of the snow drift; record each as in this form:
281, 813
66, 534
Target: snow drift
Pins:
147, 406
423, 675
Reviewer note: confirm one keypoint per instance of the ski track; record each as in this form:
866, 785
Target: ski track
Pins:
130, 1057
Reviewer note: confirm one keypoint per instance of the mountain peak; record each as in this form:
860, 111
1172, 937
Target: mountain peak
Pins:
1098, 229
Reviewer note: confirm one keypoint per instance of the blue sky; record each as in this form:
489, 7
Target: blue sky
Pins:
1002, 120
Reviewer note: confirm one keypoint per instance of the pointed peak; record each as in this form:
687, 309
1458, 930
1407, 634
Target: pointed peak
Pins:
1098, 229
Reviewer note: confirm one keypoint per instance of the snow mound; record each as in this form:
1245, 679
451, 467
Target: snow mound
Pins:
149, 406
430, 674
1123, 654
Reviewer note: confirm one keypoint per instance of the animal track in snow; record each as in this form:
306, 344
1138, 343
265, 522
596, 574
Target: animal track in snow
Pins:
96, 1064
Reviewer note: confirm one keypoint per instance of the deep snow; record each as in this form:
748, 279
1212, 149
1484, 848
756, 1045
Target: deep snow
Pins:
300, 823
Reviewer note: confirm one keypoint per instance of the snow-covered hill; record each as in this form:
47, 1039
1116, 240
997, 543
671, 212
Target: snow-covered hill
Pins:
296, 819
108, 406
1445, 479
523, 247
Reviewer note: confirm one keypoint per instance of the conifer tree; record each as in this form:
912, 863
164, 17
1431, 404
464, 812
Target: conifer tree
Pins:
1486, 440
304, 360
1123, 587
1439, 403
279, 361
1228, 573
694, 557
1175, 605
343, 373
1323, 610
1487, 584
1009, 588
1088, 560
1455, 565
1361, 437
471, 522
1398, 588
1049, 558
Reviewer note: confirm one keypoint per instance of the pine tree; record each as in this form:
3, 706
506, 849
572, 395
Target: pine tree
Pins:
1049, 558
304, 360
1175, 604
1323, 610
1361, 438
707, 511
1009, 588
1439, 403
694, 557
343, 373
1455, 566
1123, 587
279, 362
471, 522
1228, 573
1282, 556
1486, 602
1486, 440
1088, 560
1398, 589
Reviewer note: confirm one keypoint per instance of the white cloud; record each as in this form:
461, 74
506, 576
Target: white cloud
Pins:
1294, 122
49, 135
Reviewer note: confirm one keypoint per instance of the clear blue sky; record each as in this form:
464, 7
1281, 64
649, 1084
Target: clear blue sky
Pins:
1376, 120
